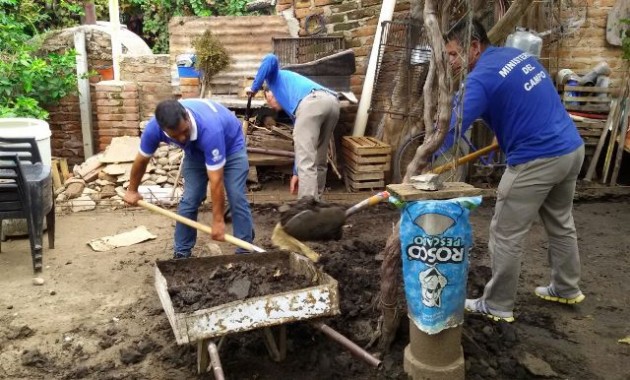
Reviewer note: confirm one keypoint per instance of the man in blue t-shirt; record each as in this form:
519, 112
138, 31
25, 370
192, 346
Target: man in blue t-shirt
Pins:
315, 111
214, 148
515, 96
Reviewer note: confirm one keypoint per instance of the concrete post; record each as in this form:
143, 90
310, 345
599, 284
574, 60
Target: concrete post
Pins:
434, 357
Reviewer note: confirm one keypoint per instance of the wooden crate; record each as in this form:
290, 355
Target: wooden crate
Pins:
366, 161
587, 99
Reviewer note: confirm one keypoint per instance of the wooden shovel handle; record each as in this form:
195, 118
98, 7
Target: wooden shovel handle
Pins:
467, 158
201, 227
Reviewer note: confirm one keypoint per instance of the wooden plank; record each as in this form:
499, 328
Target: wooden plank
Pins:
569, 88
259, 159
367, 167
407, 192
365, 175
365, 145
602, 140
367, 185
376, 159
57, 183
620, 145
593, 99
588, 108
63, 165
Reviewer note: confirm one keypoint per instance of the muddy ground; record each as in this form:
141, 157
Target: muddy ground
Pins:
98, 315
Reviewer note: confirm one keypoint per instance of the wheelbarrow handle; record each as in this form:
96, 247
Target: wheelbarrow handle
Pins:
201, 227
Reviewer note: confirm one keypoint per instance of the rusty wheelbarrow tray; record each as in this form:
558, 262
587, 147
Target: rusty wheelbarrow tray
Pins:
319, 300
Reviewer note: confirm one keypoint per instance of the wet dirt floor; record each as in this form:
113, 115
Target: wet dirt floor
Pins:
98, 315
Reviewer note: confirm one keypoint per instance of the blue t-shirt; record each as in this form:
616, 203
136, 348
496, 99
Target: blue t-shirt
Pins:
216, 134
288, 88
515, 96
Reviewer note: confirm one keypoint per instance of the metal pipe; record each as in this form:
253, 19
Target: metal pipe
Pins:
348, 344
215, 361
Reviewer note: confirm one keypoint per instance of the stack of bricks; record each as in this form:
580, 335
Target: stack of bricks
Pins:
118, 110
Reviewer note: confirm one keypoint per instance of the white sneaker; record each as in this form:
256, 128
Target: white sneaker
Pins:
549, 294
479, 306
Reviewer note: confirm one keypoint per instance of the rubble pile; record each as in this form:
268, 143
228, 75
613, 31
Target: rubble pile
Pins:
103, 179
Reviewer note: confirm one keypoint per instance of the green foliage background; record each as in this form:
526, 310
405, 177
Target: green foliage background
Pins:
30, 80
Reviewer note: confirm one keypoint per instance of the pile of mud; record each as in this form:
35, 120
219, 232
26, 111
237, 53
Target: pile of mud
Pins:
197, 287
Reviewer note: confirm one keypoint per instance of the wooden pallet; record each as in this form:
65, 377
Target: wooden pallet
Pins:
587, 99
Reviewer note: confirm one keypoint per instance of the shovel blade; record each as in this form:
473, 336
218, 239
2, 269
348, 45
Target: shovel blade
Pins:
320, 224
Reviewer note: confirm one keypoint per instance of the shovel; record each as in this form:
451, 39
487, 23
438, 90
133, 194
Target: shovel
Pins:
325, 223
203, 228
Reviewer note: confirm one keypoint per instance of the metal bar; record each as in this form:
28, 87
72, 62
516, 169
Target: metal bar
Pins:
272, 347
215, 362
348, 344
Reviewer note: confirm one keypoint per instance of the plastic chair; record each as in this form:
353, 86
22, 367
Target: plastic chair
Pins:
26, 192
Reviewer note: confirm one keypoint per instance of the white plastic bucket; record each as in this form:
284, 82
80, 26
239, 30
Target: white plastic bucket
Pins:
25, 127
29, 127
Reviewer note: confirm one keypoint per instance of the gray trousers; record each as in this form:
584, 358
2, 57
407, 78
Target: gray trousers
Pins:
315, 120
542, 187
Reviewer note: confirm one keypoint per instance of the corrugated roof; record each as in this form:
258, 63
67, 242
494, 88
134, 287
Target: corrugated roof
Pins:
246, 38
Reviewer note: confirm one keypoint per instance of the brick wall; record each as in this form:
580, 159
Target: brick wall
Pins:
588, 46
65, 125
152, 75
118, 110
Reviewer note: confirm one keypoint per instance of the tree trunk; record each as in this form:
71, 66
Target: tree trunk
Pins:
434, 140
506, 24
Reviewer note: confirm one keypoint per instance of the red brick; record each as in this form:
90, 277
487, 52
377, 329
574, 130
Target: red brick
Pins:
108, 102
110, 117
283, 7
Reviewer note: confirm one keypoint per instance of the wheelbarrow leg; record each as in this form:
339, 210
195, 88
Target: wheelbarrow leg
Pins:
277, 350
203, 357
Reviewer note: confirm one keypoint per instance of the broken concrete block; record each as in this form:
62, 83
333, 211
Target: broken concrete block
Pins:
74, 190
102, 182
89, 166
428, 182
162, 161
121, 149
106, 177
83, 203
108, 191
74, 180
161, 179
